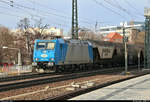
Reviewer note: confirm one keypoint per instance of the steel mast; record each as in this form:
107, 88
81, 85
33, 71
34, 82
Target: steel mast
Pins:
74, 19
147, 39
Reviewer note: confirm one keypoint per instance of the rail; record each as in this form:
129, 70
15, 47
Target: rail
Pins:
70, 95
18, 85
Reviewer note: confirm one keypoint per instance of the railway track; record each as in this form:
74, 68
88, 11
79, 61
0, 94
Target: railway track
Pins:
70, 95
31, 75
35, 75
24, 84
26, 76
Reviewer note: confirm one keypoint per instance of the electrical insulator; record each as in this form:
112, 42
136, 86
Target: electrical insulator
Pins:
11, 1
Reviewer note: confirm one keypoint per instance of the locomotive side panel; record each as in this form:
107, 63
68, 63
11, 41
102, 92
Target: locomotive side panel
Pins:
77, 54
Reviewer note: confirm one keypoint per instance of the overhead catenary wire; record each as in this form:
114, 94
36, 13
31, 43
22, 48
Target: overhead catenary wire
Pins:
33, 9
68, 17
19, 10
19, 7
54, 23
81, 20
131, 6
22, 8
101, 4
45, 6
9, 14
45, 12
119, 7
4, 13
116, 5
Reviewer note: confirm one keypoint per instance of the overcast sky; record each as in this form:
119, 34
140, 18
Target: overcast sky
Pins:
58, 12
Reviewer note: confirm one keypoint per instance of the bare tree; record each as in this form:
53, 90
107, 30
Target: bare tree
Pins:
31, 33
24, 24
38, 23
6, 39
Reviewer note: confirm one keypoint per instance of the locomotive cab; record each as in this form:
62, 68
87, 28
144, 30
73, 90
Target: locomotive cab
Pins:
44, 53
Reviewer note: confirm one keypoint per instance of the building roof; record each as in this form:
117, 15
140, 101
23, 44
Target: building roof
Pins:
111, 35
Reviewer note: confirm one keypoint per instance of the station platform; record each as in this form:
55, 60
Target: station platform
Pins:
133, 89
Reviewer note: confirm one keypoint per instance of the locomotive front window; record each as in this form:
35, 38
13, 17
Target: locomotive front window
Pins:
41, 45
50, 46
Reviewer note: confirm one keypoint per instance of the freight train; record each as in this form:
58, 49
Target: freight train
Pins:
62, 55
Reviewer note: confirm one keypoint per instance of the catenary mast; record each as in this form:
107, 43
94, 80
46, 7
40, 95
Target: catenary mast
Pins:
74, 19
147, 38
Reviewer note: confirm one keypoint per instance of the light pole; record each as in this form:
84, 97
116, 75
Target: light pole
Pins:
139, 61
126, 54
19, 54
125, 47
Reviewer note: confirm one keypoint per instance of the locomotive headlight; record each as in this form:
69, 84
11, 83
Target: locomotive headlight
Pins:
52, 59
36, 59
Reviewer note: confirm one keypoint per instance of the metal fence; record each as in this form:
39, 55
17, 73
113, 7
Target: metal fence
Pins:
15, 69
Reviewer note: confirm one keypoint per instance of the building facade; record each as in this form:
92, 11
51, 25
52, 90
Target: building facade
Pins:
53, 31
119, 29
48, 31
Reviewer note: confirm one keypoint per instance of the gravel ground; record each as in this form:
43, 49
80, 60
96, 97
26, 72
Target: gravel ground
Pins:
46, 90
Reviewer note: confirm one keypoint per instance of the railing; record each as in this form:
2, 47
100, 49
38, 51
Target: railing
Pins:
15, 69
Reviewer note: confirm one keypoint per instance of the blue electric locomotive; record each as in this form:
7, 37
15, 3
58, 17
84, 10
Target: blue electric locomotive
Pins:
53, 54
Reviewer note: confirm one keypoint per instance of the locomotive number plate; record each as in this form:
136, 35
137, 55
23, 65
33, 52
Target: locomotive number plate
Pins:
44, 55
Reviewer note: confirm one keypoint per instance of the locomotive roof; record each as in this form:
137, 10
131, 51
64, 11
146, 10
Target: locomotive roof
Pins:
71, 41
79, 42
